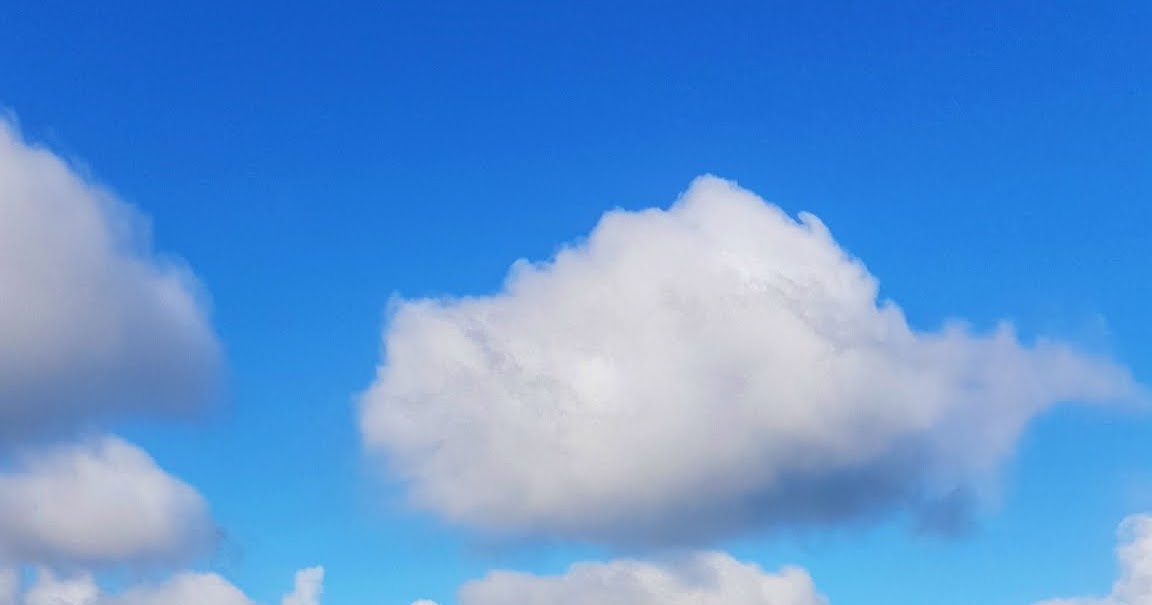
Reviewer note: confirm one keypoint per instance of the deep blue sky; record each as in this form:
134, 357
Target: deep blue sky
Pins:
985, 159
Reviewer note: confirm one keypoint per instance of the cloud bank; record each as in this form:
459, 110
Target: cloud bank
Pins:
92, 323
1134, 555
686, 374
702, 579
97, 503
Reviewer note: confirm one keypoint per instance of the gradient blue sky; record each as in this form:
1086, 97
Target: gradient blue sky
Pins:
986, 160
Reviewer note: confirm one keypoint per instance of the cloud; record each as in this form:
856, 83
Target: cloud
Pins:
1134, 554
691, 373
182, 589
9, 586
188, 588
92, 323
309, 586
96, 503
51, 589
705, 578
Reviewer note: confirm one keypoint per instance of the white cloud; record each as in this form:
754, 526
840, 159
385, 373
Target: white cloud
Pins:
309, 586
702, 579
98, 502
92, 324
188, 588
50, 589
1134, 554
689, 373
182, 589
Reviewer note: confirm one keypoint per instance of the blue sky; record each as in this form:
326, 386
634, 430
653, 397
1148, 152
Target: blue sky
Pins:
985, 160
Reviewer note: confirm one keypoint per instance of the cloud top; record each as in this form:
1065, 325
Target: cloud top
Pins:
185, 588
690, 373
710, 577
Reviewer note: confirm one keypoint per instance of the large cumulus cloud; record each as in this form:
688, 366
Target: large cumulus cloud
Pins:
95, 503
92, 323
687, 373
701, 579
1134, 554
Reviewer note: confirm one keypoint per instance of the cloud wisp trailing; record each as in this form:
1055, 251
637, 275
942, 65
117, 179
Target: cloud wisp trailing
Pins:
707, 577
92, 323
686, 374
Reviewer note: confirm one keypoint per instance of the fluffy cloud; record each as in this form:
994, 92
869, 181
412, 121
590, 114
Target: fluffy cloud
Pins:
98, 502
50, 589
688, 373
183, 589
309, 586
702, 579
187, 588
1134, 554
92, 324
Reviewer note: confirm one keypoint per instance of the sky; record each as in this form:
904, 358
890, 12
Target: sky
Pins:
521, 303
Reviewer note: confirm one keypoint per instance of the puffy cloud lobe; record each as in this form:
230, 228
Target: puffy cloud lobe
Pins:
51, 589
1134, 554
91, 323
183, 589
689, 373
188, 588
702, 579
309, 585
98, 502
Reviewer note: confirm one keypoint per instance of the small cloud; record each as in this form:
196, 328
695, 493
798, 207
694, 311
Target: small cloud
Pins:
186, 588
309, 586
709, 577
1134, 555
95, 503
